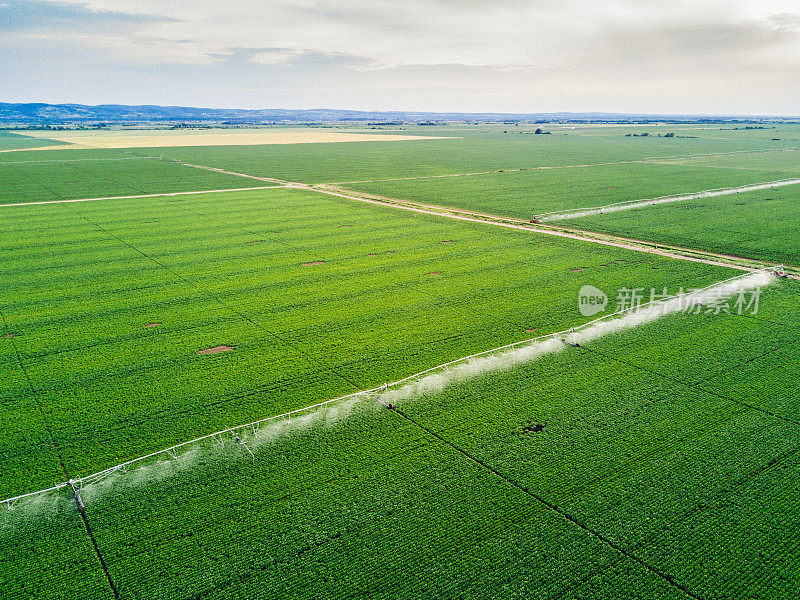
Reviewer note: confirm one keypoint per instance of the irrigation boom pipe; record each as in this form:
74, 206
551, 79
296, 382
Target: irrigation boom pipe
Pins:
574, 329
372, 392
662, 199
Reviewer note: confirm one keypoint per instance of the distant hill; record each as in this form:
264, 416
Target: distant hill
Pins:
53, 114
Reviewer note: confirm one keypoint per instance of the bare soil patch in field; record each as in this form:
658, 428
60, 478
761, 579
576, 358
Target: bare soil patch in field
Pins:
216, 350
149, 325
252, 137
314, 264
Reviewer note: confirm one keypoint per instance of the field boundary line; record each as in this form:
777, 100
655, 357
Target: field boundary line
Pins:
667, 251
676, 252
374, 393
44, 148
716, 154
161, 195
225, 172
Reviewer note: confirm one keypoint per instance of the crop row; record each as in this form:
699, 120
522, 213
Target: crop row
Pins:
671, 473
109, 335
335, 511
49, 557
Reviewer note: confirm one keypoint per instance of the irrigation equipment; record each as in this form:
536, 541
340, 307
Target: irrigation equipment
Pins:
388, 394
572, 213
77, 486
240, 440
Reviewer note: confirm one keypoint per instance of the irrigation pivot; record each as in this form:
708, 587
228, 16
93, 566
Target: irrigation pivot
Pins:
241, 442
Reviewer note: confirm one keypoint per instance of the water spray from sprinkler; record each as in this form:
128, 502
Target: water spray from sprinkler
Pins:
427, 382
241, 442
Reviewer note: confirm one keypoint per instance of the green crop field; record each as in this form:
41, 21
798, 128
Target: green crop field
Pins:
764, 225
401, 293
759, 225
472, 149
656, 473
66, 154
655, 462
13, 141
524, 194
34, 181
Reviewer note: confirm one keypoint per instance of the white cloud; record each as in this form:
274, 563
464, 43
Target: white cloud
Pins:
275, 57
501, 54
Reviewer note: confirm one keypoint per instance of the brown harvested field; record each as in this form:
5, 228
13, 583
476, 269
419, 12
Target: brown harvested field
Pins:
233, 137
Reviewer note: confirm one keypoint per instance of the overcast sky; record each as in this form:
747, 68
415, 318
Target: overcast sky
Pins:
664, 56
